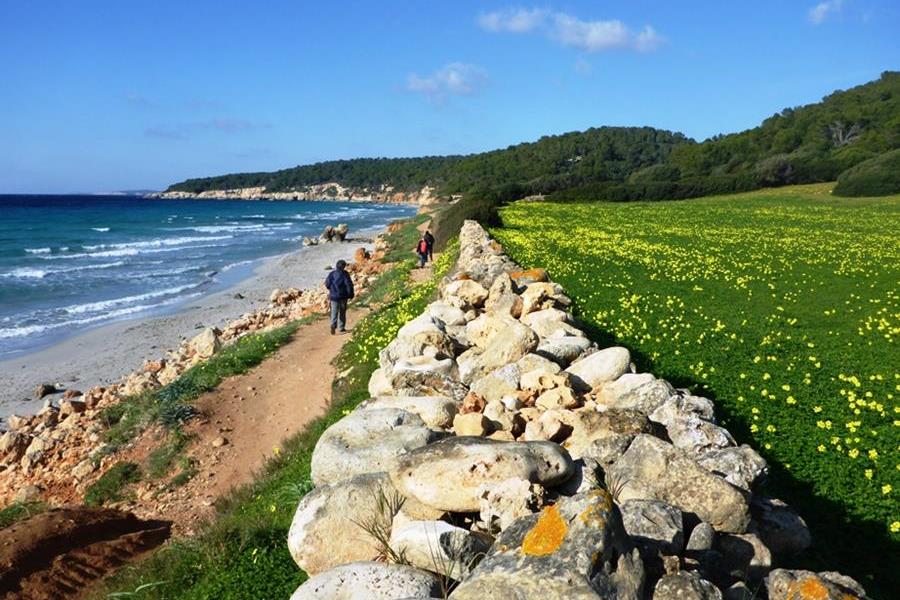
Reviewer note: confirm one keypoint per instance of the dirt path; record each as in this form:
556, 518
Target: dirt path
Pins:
252, 414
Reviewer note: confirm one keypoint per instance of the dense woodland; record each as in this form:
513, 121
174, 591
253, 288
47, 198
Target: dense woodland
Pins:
808, 144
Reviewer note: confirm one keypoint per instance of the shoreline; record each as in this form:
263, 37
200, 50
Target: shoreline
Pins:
105, 354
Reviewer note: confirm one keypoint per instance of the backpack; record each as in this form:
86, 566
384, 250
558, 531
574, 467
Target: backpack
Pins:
423, 247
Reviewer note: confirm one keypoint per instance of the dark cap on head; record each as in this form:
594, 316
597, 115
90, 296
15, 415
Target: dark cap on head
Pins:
341, 264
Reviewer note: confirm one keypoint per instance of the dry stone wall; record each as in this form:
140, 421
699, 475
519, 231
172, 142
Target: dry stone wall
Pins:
505, 455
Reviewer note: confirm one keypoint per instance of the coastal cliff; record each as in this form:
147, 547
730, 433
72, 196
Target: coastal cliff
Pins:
324, 191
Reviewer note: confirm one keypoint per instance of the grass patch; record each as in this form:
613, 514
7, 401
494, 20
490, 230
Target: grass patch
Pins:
171, 404
243, 553
188, 470
18, 511
781, 305
160, 461
110, 485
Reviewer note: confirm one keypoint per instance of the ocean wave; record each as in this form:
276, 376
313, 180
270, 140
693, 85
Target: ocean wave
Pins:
100, 229
128, 251
38, 250
32, 273
159, 243
102, 305
26, 330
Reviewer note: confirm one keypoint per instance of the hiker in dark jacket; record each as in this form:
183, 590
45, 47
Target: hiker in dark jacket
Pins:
340, 291
422, 251
429, 239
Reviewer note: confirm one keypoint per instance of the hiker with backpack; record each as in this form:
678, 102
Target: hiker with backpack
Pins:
340, 291
422, 251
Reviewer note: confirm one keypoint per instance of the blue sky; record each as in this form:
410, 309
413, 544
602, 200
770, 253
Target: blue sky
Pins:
99, 96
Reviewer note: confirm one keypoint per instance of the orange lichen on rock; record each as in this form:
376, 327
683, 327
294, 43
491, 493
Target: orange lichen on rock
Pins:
547, 535
596, 514
808, 588
529, 275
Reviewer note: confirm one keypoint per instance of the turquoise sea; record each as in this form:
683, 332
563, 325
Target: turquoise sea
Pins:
72, 262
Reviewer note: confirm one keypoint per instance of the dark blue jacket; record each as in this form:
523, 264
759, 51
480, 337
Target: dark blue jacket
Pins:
339, 284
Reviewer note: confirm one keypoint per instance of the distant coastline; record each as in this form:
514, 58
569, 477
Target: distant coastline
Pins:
331, 191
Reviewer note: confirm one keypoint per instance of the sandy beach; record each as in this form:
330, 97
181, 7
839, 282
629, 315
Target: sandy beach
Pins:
103, 355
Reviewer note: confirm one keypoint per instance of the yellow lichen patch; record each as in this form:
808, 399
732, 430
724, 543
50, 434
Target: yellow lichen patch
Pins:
596, 513
547, 535
808, 588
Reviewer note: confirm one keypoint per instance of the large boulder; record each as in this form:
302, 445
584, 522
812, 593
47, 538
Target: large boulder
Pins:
448, 474
779, 526
563, 350
590, 425
543, 294
369, 580
654, 526
326, 530
206, 343
551, 323
685, 586
422, 336
439, 547
639, 391
741, 466
446, 314
596, 369
367, 441
502, 298
516, 341
654, 469
784, 584
697, 436
436, 412
500, 382
465, 294
425, 376
571, 550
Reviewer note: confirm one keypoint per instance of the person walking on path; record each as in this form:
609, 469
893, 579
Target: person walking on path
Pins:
340, 291
429, 239
422, 251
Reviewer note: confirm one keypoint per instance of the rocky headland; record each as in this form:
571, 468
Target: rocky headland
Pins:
324, 191
504, 455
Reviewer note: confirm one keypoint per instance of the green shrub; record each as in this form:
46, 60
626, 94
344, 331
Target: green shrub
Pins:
878, 176
18, 511
655, 173
110, 485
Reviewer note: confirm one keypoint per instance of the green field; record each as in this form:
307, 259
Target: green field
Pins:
781, 305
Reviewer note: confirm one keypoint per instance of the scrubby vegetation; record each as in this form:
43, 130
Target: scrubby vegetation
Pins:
18, 511
782, 306
111, 484
813, 143
243, 553
878, 176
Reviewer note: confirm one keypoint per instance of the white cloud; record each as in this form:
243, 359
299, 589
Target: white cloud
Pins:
515, 20
821, 11
456, 78
568, 30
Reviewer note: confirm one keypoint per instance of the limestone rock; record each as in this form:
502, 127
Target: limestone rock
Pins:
780, 527
639, 391
744, 556
535, 362
529, 276
325, 531
681, 405
741, 466
498, 383
446, 314
436, 412
554, 555
44, 389
699, 437
685, 586
379, 383
448, 474
598, 368
563, 350
541, 295
425, 376
552, 425
206, 343
465, 293
473, 423
702, 538
503, 502
517, 341
589, 426
655, 526
369, 580
503, 299
651, 468
439, 547
367, 442
784, 584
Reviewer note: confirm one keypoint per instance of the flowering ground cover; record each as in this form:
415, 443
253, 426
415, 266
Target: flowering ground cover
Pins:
784, 307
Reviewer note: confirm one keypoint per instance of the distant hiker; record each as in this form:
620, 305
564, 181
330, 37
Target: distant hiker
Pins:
430, 240
340, 291
422, 251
